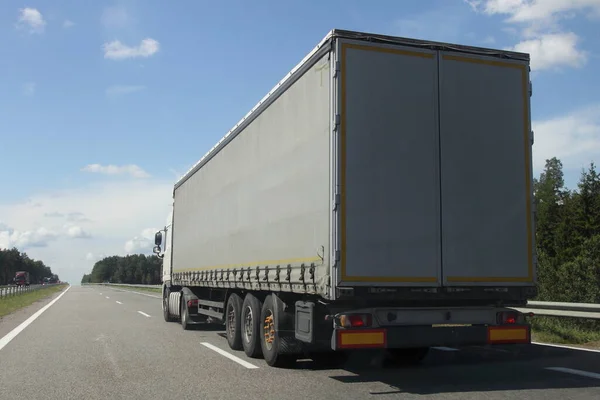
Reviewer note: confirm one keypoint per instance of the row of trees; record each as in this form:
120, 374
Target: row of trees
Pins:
132, 269
568, 235
568, 248
11, 261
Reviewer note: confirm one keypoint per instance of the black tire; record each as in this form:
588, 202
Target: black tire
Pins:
185, 315
251, 326
412, 356
166, 315
272, 350
233, 322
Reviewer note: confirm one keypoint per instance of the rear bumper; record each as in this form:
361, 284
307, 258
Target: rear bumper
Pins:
427, 336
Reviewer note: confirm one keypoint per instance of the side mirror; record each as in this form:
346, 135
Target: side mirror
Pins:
158, 238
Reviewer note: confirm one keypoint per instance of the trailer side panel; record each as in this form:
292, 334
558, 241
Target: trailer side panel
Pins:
264, 199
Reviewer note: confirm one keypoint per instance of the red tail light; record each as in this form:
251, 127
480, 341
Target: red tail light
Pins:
192, 303
507, 318
356, 320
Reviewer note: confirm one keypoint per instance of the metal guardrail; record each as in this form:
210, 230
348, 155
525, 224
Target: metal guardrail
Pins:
541, 308
14, 290
557, 309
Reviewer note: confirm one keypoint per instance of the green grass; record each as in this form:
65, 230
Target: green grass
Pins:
572, 331
13, 303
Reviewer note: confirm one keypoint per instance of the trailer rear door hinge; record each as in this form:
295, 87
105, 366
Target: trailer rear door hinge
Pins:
336, 69
337, 255
336, 201
530, 88
336, 121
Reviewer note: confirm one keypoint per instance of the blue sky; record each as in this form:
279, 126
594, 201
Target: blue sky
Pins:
105, 104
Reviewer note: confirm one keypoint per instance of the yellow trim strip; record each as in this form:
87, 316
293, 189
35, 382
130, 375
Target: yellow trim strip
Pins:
387, 50
253, 264
344, 275
359, 338
508, 334
526, 145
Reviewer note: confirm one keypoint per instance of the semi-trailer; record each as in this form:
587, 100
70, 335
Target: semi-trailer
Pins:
379, 197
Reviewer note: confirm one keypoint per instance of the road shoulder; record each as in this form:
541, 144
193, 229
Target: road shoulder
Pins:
14, 319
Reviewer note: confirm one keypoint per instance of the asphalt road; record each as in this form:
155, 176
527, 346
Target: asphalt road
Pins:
102, 343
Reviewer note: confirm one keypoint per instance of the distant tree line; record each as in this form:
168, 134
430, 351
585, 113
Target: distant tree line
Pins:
568, 235
132, 269
568, 249
11, 261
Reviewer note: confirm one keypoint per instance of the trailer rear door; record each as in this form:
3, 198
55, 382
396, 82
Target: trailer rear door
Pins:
485, 136
389, 194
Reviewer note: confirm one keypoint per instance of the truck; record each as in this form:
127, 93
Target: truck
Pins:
21, 278
378, 197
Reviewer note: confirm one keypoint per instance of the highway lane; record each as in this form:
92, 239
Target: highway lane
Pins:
89, 346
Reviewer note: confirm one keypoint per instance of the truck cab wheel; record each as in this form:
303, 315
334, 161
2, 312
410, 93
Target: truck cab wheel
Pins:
251, 326
165, 305
233, 322
185, 316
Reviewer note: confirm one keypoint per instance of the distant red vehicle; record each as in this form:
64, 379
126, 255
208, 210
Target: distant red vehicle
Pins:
22, 278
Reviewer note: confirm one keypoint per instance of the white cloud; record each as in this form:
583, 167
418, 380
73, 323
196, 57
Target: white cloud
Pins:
39, 237
131, 170
142, 243
573, 138
116, 50
71, 216
29, 89
76, 232
553, 50
117, 90
529, 11
549, 45
116, 211
31, 19
68, 24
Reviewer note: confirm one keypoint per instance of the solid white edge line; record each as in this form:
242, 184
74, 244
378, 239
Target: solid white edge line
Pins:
144, 314
12, 334
575, 372
230, 356
442, 348
560, 346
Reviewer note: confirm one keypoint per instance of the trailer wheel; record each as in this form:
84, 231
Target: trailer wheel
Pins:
251, 326
233, 321
272, 343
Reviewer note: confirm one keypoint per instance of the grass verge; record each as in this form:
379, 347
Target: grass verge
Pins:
569, 331
11, 304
